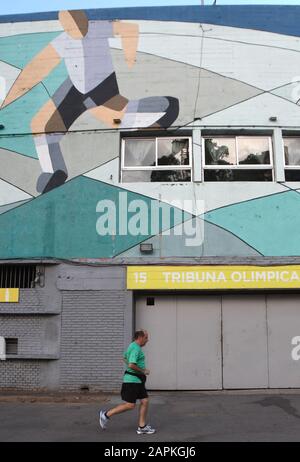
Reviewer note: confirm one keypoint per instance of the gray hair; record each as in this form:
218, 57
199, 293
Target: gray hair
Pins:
140, 333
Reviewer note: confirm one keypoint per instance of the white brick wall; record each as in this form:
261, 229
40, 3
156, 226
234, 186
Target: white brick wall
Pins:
28, 330
92, 339
22, 375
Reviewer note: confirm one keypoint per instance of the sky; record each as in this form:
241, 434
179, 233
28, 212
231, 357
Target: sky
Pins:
29, 6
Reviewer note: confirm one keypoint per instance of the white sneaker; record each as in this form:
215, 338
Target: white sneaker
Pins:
147, 430
103, 420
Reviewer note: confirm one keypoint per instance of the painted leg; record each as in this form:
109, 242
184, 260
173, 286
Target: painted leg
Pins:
114, 109
54, 171
155, 111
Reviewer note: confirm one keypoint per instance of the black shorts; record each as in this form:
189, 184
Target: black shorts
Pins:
130, 392
71, 103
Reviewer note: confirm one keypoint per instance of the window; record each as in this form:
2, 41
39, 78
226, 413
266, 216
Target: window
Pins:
292, 158
17, 276
237, 158
11, 346
156, 159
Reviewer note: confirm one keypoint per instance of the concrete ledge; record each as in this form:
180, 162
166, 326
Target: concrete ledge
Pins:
32, 356
30, 313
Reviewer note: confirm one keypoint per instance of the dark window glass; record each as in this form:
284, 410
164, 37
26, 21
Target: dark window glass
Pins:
154, 176
173, 176
237, 175
292, 175
11, 346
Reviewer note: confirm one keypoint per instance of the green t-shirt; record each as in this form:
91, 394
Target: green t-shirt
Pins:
134, 354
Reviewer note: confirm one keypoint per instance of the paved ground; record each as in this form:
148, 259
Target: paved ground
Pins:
178, 417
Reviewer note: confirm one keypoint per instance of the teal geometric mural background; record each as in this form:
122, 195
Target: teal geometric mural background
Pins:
62, 223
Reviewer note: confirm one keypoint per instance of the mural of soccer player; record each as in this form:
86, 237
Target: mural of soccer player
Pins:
91, 86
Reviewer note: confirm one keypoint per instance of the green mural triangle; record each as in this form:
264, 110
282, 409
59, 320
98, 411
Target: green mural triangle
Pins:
64, 223
5, 208
18, 50
16, 135
267, 224
56, 78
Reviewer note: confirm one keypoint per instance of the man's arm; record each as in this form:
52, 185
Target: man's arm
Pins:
129, 33
138, 369
35, 71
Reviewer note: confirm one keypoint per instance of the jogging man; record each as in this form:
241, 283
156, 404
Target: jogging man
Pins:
133, 387
91, 86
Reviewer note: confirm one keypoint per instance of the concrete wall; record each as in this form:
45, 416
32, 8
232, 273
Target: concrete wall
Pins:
211, 70
71, 332
20, 375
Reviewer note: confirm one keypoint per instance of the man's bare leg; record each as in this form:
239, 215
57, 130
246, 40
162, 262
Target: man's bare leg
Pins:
120, 408
143, 412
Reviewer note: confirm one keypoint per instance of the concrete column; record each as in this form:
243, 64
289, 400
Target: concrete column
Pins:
278, 155
197, 155
128, 319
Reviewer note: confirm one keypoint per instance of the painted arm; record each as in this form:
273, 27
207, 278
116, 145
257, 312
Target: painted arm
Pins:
35, 71
129, 33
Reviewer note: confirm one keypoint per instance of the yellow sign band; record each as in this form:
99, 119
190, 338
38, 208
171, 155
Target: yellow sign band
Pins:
213, 277
9, 295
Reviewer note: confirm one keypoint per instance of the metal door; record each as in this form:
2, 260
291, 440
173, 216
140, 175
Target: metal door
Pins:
184, 350
245, 353
199, 362
283, 313
159, 319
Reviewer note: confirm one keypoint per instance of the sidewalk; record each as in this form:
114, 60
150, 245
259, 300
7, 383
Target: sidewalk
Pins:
272, 415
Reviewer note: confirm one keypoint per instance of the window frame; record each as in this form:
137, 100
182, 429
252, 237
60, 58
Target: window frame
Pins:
289, 167
158, 167
238, 166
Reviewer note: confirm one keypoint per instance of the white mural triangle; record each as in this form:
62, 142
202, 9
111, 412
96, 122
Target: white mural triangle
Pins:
10, 194
257, 111
212, 195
